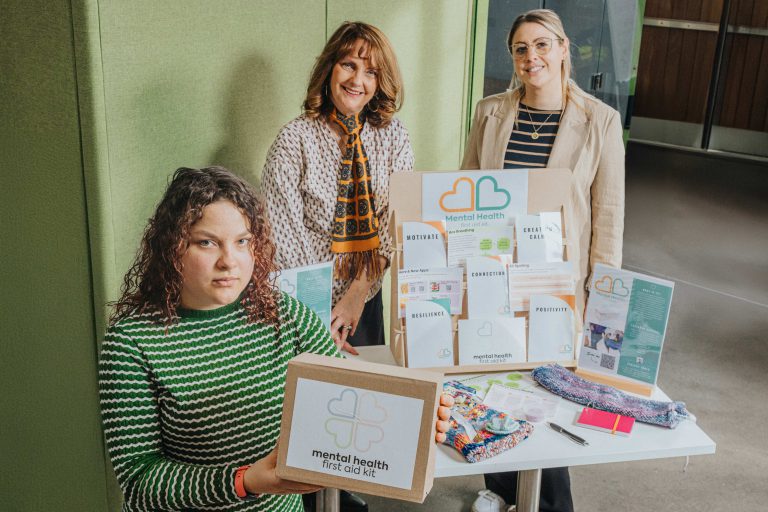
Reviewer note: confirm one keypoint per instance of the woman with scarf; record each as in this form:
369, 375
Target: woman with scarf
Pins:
326, 178
326, 182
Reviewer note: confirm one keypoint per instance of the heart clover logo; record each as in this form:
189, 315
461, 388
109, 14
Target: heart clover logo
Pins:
619, 288
604, 284
486, 329
288, 287
490, 196
461, 198
355, 420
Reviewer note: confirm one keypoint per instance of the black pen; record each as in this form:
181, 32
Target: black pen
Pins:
573, 437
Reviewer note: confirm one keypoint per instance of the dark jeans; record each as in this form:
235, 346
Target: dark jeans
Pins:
370, 328
555, 493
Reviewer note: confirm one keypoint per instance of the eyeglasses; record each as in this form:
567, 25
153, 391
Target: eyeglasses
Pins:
542, 46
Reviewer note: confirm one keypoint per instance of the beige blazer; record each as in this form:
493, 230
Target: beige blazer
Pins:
589, 142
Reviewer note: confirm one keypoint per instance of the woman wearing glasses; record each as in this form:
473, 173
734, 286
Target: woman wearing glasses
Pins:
546, 120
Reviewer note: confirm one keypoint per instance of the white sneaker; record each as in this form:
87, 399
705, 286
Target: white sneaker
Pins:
489, 501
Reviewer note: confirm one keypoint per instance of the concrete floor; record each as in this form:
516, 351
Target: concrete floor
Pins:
701, 221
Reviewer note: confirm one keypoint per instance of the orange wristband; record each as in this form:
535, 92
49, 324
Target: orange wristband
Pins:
239, 483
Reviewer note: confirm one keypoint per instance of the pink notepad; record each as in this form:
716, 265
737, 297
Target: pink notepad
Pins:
605, 421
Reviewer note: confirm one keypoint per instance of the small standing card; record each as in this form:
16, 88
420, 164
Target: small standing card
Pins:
467, 242
424, 244
430, 284
526, 279
311, 285
429, 341
551, 324
625, 324
539, 237
493, 341
489, 197
487, 295
605, 421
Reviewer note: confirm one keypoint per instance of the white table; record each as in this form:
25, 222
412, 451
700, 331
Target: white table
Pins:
545, 448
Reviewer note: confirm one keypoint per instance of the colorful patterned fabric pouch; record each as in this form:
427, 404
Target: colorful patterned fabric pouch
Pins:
469, 419
568, 385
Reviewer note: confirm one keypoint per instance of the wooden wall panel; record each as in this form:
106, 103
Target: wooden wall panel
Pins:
673, 74
731, 75
675, 65
689, 10
745, 83
761, 98
700, 77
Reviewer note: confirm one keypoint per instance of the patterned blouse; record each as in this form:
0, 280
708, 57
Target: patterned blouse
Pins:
299, 184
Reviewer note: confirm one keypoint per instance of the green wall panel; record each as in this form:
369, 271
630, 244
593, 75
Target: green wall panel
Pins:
432, 42
51, 435
102, 101
187, 84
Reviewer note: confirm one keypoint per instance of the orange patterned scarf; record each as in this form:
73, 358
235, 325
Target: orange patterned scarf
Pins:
355, 236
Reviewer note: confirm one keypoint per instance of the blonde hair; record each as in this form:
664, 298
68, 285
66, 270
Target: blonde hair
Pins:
389, 92
551, 21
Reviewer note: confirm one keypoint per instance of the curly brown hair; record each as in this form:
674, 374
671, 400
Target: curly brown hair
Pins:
389, 93
154, 282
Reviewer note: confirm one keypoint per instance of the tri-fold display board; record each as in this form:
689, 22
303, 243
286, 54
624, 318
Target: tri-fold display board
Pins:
481, 277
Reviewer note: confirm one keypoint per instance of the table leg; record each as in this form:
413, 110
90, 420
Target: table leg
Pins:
528, 488
327, 500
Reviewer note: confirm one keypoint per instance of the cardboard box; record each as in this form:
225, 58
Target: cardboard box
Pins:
359, 426
548, 190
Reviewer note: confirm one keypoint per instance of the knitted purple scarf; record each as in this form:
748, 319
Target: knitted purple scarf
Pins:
568, 385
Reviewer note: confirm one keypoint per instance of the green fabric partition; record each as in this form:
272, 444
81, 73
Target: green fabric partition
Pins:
102, 101
51, 444
175, 84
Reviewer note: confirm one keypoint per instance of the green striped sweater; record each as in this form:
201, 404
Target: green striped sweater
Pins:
183, 409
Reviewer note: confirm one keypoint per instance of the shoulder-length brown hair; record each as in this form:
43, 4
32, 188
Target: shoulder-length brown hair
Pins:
154, 282
389, 94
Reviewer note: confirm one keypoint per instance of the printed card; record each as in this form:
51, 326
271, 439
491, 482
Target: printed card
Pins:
487, 295
525, 405
424, 244
430, 284
494, 341
551, 328
354, 433
311, 285
474, 196
625, 323
468, 242
429, 341
539, 237
526, 279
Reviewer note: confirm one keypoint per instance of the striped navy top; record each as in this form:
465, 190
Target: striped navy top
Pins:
532, 138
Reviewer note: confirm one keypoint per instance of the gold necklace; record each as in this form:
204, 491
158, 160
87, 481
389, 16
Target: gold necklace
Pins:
535, 134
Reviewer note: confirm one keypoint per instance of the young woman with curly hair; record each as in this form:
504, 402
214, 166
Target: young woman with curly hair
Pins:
326, 178
193, 364
192, 368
